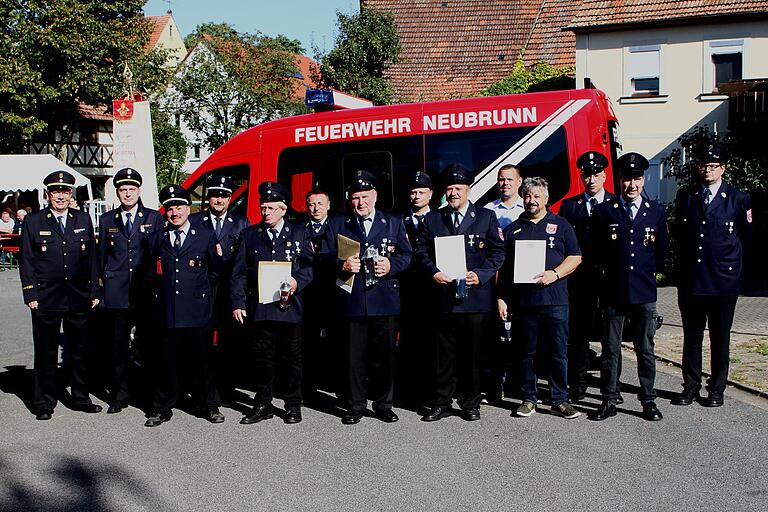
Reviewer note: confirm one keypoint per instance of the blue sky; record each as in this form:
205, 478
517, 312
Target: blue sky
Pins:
311, 22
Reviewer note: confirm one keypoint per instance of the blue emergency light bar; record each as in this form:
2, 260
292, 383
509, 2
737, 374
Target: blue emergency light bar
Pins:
319, 99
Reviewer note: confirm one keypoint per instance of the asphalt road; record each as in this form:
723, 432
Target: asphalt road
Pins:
695, 459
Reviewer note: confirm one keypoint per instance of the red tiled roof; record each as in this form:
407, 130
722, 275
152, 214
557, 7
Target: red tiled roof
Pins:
158, 25
99, 112
456, 48
610, 13
305, 69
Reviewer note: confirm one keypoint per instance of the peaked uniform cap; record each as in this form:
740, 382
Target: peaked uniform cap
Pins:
174, 195
127, 176
362, 180
271, 192
59, 179
631, 165
591, 163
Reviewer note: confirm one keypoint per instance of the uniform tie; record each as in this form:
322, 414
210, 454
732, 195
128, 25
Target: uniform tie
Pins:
61, 224
628, 209
273, 233
316, 227
592, 206
707, 195
217, 228
419, 219
177, 241
128, 223
456, 221
365, 227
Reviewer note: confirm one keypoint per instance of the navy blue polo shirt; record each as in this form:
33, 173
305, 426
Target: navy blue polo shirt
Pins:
560, 241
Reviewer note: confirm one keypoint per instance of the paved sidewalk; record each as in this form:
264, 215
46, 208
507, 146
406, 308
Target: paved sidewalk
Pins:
749, 338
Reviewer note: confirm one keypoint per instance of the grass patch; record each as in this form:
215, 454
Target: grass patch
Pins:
762, 348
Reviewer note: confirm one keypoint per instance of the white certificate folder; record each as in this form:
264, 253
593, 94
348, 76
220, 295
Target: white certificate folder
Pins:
530, 258
450, 256
271, 276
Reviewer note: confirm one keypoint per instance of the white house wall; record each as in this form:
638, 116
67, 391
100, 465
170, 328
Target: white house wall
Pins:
651, 125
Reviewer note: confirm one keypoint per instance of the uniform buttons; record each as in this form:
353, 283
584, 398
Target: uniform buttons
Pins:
273, 251
177, 270
631, 230
631, 243
130, 270
631, 267
130, 259
698, 261
63, 243
702, 235
65, 254
703, 222
203, 295
65, 266
730, 268
177, 259
177, 280
633, 255
699, 247
66, 278
177, 292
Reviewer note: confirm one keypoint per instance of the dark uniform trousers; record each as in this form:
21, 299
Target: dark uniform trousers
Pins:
583, 293
225, 354
45, 332
59, 271
715, 243
631, 253
370, 312
273, 333
122, 266
460, 324
415, 350
323, 347
183, 306
371, 345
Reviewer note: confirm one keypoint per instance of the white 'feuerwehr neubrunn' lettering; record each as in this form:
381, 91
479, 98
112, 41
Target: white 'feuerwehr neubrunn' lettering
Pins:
342, 131
483, 118
402, 125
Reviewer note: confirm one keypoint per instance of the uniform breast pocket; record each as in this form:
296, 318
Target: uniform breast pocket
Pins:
83, 243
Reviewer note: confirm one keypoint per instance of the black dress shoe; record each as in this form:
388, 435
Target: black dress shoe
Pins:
259, 413
619, 399
293, 415
712, 401
472, 414
686, 397
387, 416
116, 408
605, 411
352, 417
214, 415
90, 408
436, 413
44, 414
158, 418
651, 412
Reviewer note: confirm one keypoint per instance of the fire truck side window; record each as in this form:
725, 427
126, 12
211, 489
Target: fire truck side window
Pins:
390, 159
477, 150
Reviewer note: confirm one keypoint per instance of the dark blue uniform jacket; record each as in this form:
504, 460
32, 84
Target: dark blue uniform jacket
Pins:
484, 252
629, 252
60, 271
183, 282
256, 246
123, 261
388, 236
714, 243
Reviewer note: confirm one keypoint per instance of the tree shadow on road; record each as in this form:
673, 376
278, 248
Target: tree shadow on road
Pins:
73, 484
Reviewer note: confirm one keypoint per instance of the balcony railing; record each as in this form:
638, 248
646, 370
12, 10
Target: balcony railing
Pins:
78, 155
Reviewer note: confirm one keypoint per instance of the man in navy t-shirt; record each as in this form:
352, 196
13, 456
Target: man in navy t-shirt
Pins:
537, 304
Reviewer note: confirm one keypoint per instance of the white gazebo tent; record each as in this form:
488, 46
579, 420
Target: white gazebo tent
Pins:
26, 173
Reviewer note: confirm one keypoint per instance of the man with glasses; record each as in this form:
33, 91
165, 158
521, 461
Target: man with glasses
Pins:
713, 224
60, 284
582, 284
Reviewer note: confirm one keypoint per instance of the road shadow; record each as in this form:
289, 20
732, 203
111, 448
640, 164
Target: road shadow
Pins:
72, 484
19, 380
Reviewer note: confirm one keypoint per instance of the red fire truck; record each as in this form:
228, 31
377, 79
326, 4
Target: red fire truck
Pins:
543, 133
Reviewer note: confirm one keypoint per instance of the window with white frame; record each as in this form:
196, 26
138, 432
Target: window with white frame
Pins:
723, 62
643, 70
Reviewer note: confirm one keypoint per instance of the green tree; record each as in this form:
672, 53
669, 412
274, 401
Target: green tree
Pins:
170, 148
58, 53
228, 85
541, 77
366, 46
223, 31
